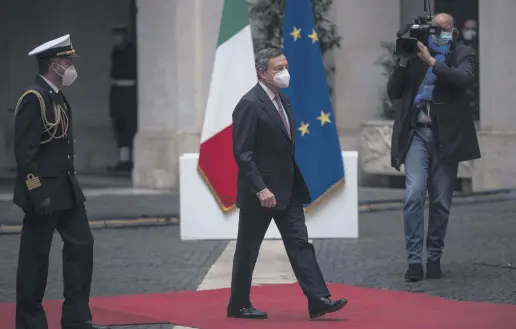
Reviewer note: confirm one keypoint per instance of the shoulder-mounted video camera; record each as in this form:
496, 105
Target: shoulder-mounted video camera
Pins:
419, 30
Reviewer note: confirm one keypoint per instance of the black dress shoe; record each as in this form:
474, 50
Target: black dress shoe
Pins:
433, 269
125, 166
247, 313
322, 306
85, 325
414, 273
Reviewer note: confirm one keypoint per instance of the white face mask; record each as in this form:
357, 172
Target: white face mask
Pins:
282, 79
69, 75
469, 34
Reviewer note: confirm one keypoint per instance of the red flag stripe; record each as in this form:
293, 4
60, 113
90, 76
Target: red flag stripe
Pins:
218, 167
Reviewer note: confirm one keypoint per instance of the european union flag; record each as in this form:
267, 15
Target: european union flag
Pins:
318, 151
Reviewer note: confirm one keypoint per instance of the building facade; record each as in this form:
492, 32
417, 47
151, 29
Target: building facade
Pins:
176, 45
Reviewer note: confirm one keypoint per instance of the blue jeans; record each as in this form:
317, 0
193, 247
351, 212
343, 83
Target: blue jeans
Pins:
423, 172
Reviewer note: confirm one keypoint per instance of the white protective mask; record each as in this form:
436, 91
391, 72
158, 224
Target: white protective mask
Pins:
69, 75
469, 34
282, 79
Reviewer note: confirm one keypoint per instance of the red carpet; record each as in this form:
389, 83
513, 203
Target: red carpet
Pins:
367, 309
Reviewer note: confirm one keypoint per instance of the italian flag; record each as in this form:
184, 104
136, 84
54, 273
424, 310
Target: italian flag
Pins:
233, 76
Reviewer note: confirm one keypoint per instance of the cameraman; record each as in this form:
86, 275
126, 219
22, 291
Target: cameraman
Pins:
433, 132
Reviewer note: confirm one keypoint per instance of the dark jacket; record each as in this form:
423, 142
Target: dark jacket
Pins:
264, 153
453, 124
44, 170
123, 100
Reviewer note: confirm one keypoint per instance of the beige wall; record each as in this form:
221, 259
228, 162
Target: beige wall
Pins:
363, 25
497, 136
177, 42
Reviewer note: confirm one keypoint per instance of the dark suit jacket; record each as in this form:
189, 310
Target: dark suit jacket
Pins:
452, 118
264, 153
51, 163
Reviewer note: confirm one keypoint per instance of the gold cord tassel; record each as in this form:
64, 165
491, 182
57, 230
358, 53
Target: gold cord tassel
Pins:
49, 127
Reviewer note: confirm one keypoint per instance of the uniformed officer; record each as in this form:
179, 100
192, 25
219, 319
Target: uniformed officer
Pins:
47, 190
123, 97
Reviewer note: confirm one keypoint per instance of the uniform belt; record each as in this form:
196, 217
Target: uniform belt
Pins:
123, 83
424, 124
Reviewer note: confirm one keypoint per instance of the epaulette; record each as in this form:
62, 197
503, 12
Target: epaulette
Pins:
61, 118
36, 91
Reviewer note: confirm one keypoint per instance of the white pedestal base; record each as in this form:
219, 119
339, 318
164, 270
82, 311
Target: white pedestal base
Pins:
202, 219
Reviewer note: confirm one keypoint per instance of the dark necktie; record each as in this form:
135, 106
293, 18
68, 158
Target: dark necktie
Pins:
282, 115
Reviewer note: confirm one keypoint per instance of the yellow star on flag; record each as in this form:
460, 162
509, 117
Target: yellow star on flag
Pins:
296, 33
324, 118
304, 128
313, 36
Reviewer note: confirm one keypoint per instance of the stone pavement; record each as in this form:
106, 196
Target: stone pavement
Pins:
479, 248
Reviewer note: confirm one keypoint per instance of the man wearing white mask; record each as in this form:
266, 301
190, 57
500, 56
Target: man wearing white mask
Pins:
49, 193
469, 37
433, 132
270, 185
469, 32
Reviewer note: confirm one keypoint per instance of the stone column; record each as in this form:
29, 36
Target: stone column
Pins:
155, 149
496, 169
176, 44
359, 84
198, 22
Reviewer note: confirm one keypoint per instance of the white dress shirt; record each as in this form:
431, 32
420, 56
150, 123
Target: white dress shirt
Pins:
53, 86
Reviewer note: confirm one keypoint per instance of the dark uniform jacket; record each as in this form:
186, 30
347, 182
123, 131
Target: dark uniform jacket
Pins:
264, 153
44, 170
123, 99
452, 121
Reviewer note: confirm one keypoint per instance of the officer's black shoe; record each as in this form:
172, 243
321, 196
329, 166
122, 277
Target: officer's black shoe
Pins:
247, 313
85, 325
322, 306
433, 269
414, 273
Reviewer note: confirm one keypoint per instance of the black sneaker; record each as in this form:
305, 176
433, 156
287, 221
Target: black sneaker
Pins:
433, 269
414, 273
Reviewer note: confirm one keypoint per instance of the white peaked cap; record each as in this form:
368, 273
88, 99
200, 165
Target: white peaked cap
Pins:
60, 47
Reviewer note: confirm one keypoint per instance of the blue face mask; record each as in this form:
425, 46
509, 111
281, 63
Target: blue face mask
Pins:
443, 38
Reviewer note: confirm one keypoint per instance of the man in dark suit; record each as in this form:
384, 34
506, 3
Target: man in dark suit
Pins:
47, 190
270, 185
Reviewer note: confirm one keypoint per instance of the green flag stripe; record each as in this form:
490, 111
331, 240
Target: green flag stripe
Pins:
235, 17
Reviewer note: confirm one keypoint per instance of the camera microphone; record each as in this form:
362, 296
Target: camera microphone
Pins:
419, 31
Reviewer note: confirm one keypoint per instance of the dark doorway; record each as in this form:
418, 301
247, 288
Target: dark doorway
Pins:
462, 11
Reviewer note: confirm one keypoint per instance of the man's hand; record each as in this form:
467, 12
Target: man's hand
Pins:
267, 199
424, 54
44, 208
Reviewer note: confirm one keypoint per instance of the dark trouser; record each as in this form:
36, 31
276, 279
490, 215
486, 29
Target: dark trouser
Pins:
423, 172
252, 226
125, 130
33, 259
